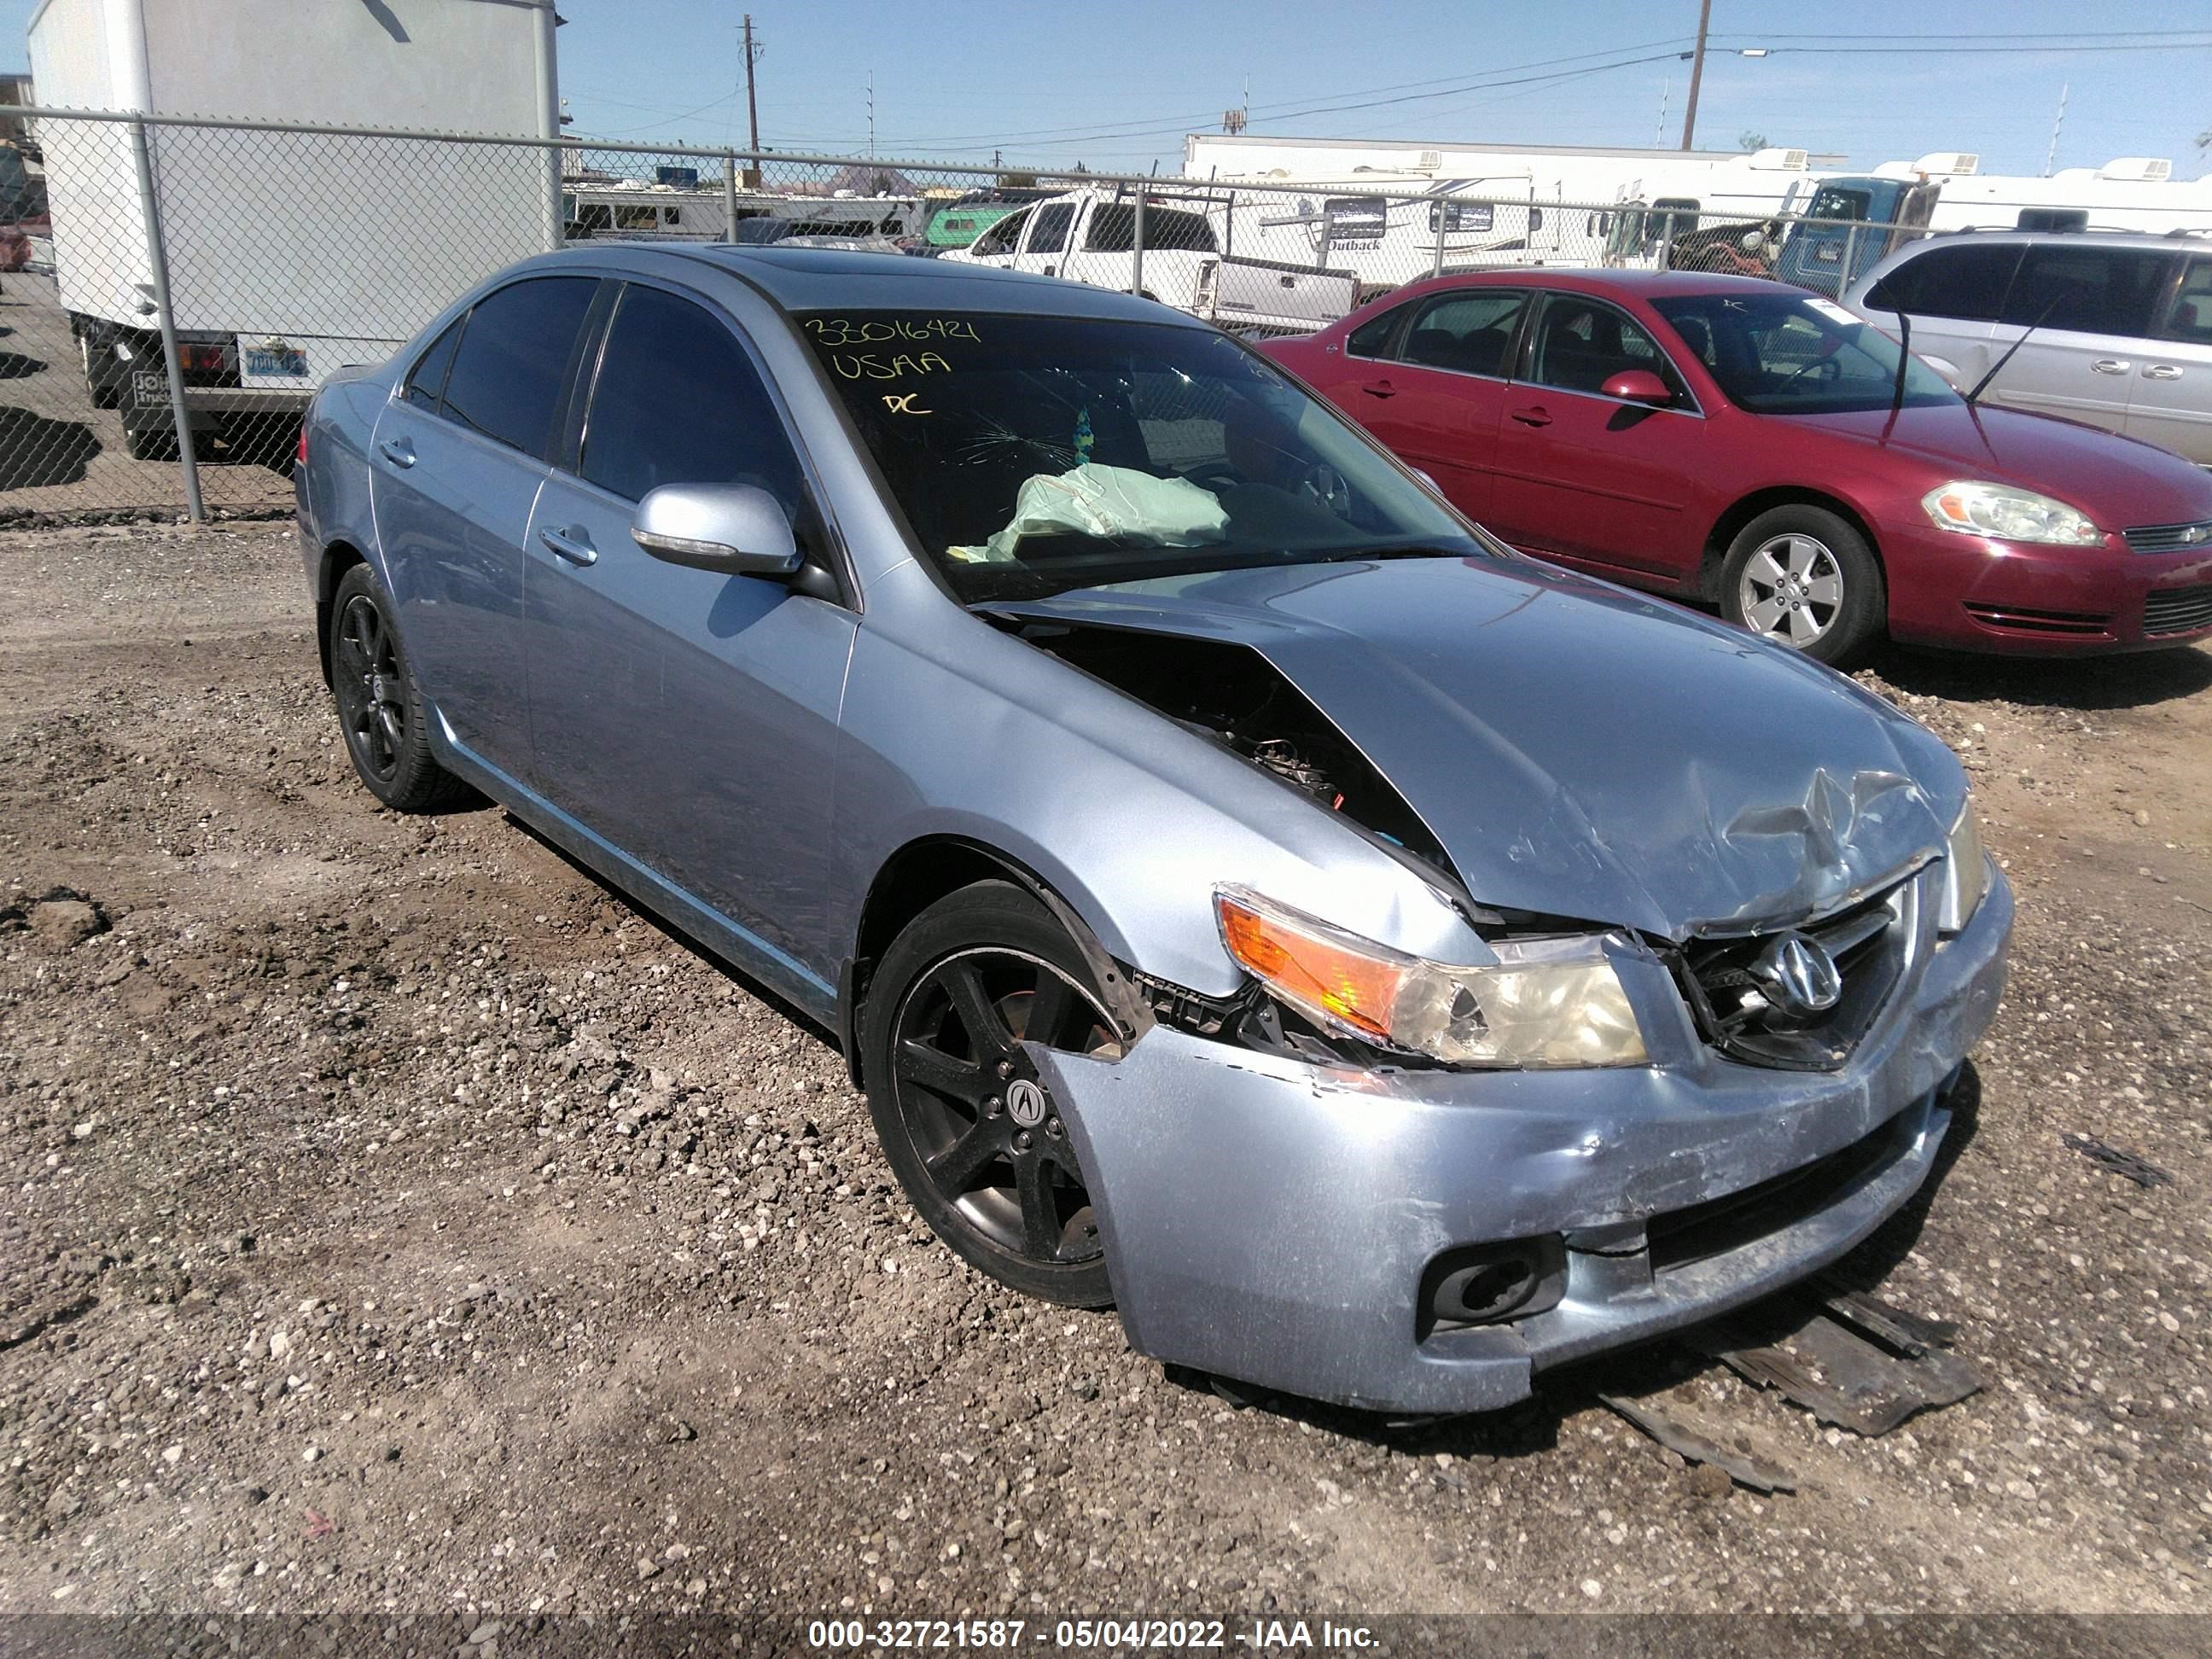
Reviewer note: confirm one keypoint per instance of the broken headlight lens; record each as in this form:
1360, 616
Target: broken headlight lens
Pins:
1547, 1003
1965, 874
2009, 514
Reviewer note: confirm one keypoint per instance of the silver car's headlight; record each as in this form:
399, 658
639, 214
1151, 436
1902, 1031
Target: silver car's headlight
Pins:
1966, 872
1547, 1003
2011, 514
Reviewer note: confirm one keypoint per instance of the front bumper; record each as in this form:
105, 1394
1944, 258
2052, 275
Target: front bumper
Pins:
1271, 1221
1983, 594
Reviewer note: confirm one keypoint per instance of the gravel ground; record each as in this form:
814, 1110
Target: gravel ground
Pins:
396, 1219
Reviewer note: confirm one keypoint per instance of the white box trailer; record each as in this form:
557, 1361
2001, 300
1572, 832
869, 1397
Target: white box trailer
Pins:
288, 254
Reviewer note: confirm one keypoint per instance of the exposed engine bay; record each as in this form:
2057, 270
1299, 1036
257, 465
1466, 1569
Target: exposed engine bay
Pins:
1233, 695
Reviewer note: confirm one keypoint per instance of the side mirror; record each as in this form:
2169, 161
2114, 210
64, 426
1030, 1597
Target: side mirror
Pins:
1638, 386
733, 529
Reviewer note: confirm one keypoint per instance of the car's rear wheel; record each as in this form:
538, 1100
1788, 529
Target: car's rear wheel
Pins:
1803, 576
379, 707
970, 1127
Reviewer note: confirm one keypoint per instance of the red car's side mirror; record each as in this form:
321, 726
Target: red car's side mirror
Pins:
1638, 386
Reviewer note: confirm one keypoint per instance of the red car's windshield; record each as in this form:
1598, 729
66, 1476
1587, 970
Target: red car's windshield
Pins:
1787, 353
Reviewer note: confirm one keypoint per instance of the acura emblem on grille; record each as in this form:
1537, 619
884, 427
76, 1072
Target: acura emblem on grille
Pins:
1798, 976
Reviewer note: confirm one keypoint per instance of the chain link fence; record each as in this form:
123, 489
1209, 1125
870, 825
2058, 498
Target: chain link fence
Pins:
172, 290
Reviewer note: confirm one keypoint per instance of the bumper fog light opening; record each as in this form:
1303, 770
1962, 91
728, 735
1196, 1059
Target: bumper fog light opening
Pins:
1489, 1284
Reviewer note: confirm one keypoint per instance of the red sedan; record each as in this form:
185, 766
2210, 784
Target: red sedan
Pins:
1742, 443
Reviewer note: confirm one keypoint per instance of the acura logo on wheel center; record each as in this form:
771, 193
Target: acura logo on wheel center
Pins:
1025, 1102
1798, 976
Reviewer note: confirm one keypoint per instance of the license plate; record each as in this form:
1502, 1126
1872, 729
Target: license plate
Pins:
150, 386
280, 359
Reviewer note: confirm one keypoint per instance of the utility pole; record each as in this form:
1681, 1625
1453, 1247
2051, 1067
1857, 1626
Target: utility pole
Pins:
1697, 73
2050, 161
752, 108
1659, 127
872, 115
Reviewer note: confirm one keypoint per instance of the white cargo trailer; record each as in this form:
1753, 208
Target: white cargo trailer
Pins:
288, 254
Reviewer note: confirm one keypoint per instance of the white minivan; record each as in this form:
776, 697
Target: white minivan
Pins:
2116, 324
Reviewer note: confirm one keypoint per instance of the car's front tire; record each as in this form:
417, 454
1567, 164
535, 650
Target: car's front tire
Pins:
1804, 577
381, 708
969, 1128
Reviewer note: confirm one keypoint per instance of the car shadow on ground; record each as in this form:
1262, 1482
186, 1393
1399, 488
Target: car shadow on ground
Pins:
35, 451
1532, 1425
14, 365
744, 981
2132, 680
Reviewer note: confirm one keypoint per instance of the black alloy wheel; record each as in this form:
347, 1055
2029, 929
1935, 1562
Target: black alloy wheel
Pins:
970, 1127
365, 674
379, 708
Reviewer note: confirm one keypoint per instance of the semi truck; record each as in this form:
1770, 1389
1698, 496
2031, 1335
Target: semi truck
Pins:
288, 254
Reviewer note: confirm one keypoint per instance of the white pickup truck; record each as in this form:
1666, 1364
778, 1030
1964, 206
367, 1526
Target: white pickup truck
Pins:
1089, 235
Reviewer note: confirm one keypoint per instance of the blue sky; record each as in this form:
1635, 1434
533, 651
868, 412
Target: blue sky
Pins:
1041, 81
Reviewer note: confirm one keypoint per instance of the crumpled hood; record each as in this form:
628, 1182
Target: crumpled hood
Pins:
2117, 480
1580, 750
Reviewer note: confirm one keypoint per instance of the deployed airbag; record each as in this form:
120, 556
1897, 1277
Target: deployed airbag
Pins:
1114, 502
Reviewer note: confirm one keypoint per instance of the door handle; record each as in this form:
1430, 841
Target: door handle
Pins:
573, 545
1535, 416
2162, 372
2111, 365
398, 452
1379, 389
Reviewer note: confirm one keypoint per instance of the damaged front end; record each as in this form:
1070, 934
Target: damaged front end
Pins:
1411, 1186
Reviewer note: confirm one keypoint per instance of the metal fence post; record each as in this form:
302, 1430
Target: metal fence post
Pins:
1851, 255
158, 266
1436, 207
729, 196
1137, 262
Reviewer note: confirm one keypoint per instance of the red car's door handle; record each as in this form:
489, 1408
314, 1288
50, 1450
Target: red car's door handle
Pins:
1379, 389
1532, 416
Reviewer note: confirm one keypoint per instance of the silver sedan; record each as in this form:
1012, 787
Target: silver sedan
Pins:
1379, 964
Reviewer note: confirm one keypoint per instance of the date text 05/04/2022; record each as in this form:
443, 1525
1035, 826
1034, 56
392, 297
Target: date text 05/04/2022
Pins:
1168, 1635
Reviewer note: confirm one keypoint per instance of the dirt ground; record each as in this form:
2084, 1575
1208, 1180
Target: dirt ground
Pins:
394, 1219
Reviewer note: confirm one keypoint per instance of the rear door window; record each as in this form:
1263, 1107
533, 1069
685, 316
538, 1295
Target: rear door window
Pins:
2088, 290
513, 360
1962, 280
426, 381
1114, 228
678, 401
1050, 233
1468, 333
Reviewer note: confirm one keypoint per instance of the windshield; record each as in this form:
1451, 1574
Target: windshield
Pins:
1788, 353
1031, 455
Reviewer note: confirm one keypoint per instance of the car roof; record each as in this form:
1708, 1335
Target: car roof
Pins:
816, 279
1642, 284
2156, 241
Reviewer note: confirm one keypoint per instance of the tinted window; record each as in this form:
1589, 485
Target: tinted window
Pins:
1965, 280
513, 356
677, 402
427, 380
1581, 344
2190, 317
2091, 290
1050, 235
1469, 332
1370, 338
1114, 228
1004, 236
